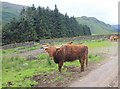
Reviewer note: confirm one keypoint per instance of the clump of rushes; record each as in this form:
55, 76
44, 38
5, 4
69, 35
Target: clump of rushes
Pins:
48, 61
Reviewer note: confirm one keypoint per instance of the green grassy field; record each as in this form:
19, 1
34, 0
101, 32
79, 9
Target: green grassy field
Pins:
17, 72
19, 49
0, 69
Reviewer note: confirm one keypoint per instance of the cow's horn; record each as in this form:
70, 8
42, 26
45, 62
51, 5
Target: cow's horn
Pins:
45, 47
57, 47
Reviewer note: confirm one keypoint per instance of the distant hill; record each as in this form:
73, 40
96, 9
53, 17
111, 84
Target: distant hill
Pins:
117, 28
8, 11
96, 26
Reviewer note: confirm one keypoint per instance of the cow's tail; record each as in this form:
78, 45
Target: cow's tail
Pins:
86, 56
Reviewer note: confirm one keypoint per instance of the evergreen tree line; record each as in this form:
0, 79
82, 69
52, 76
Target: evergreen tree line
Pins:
39, 23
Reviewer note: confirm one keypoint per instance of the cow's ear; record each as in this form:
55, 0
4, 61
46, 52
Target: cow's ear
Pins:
70, 42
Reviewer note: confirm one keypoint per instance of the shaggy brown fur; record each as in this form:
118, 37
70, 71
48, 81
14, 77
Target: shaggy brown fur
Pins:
51, 49
113, 38
68, 53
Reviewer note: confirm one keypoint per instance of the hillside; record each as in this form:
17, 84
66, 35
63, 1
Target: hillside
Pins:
8, 11
96, 26
42, 23
117, 27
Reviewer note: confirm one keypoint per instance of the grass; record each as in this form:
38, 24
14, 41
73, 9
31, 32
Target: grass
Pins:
59, 78
18, 71
0, 68
94, 58
97, 44
19, 50
92, 44
0, 73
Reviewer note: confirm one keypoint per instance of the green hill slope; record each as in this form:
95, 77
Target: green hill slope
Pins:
96, 26
8, 11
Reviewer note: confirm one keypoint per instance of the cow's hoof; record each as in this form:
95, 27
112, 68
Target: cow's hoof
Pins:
82, 70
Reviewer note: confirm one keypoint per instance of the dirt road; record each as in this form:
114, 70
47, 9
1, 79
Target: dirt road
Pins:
104, 76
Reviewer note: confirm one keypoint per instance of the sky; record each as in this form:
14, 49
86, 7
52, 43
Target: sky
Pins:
103, 10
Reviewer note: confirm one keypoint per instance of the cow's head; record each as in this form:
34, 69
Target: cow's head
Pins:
51, 50
57, 55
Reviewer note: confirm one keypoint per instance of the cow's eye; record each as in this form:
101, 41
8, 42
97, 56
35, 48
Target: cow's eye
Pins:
46, 49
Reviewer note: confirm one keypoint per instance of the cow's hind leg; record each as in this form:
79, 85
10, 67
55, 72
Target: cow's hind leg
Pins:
86, 57
82, 64
60, 65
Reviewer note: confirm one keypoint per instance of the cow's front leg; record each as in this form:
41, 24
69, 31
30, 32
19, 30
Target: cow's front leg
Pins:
60, 65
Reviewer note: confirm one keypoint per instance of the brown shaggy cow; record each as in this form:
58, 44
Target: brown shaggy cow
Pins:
68, 53
113, 38
51, 49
